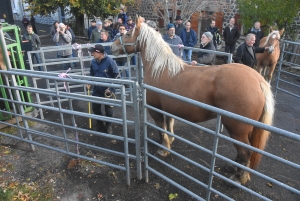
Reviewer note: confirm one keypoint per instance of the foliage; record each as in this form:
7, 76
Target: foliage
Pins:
275, 13
173, 196
99, 8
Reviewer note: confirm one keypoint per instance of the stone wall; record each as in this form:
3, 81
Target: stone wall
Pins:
228, 7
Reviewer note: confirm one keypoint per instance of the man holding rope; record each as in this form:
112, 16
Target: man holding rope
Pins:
102, 66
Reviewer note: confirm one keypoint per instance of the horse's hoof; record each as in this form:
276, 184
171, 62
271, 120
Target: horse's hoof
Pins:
163, 152
235, 179
231, 168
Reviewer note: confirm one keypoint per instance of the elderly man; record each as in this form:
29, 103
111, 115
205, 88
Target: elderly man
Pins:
246, 51
257, 32
104, 38
206, 44
96, 33
172, 39
63, 37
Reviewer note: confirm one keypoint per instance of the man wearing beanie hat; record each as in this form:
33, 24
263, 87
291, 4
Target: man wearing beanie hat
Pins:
102, 66
206, 44
173, 39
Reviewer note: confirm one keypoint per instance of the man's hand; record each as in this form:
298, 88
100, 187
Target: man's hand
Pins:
193, 63
88, 86
57, 29
107, 91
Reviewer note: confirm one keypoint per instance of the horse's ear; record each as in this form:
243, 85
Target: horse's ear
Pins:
138, 22
281, 32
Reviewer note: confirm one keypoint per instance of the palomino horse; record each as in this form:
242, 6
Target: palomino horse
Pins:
232, 87
266, 62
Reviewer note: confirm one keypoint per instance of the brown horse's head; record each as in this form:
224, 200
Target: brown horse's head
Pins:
272, 40
129, 42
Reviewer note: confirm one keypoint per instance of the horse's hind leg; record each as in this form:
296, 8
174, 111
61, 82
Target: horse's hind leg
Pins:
170, 126
160, 122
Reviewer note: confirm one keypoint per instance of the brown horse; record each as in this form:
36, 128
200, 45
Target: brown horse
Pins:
266, 62
232, 87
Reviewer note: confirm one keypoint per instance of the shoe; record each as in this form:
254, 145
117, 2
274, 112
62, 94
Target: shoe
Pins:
109, 129
100, 126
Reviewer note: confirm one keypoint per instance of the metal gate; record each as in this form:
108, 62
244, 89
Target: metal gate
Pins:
66, 131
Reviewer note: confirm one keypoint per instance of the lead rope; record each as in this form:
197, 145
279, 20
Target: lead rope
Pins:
65, 75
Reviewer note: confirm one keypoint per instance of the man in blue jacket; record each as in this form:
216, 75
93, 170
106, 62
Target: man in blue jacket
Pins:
102, 66
189, 39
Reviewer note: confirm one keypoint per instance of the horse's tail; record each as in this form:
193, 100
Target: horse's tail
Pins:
259, 137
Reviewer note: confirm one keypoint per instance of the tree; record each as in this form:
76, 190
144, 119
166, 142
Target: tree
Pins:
275, 13
77, 8
162, 8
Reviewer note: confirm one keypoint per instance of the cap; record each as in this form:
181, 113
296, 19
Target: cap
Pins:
93, 21
129, 18
99, 23
97, 48
107, 20
178, 17
208, 35
170, 25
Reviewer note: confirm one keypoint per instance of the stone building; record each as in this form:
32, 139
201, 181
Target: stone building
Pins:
220, 10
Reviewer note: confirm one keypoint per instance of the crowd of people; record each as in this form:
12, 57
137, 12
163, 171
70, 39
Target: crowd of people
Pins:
177, 35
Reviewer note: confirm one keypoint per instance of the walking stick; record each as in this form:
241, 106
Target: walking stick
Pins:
89, 109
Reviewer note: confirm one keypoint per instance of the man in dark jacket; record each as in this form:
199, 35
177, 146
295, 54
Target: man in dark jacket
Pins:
215, 32
25, 21
206, 44
105, 67
91, 28
123, 16
231, 34
257, 32
245, 53
35, 43
104, 38
178, 25
189, 39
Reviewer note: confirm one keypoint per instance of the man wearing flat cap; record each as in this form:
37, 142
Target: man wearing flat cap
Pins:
130, 24
102, 66
95, 36
178, 25
173, 39
206, 44
91, 28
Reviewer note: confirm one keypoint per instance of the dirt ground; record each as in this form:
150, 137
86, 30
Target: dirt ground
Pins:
50, 175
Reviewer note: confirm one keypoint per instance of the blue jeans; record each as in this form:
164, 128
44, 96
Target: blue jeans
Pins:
187, 53
68, 65
120, 63
37, 57
132, 61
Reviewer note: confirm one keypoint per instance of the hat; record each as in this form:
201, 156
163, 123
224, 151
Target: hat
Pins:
170, 25
107, 20
208, 35
97, 48
129, 18
99, 23
93, 21
178, 17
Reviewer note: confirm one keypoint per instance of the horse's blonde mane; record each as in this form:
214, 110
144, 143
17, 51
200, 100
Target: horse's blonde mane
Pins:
270, 34
159, 53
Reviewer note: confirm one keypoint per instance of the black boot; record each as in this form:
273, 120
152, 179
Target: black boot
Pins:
100, 126
109, 129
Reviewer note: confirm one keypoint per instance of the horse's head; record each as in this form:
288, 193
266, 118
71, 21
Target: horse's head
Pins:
129, 42
272, 40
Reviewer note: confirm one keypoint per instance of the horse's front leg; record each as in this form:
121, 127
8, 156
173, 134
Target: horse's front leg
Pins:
164, 138
170, 127
270, 72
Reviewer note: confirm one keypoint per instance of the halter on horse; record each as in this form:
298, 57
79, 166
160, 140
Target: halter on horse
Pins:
220, 86
266, 62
